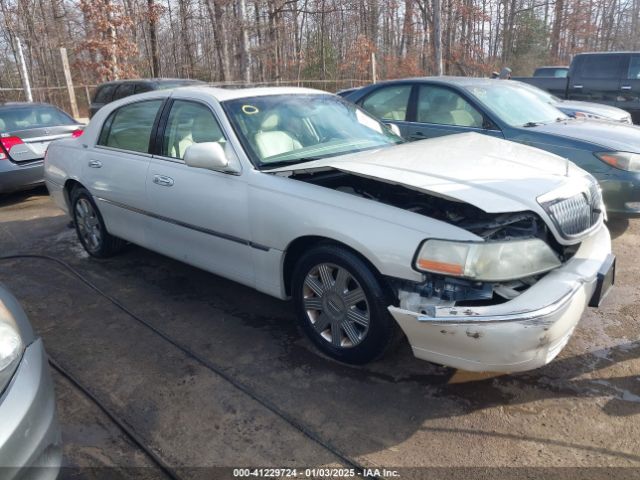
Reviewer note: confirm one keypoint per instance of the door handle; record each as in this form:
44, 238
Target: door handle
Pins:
163, 180
418, 136
95, 164
625, 87
578, 87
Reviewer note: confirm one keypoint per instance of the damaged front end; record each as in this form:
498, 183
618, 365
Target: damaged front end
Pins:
444, 286
508, 325
505, 288
508, 301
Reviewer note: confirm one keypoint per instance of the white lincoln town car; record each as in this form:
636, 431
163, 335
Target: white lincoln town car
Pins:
483, 252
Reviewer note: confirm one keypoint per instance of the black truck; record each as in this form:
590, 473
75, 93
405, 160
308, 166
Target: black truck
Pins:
611, 78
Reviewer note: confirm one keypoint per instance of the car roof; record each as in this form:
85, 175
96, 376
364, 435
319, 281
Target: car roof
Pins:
553, 66
152, 80
447, 80
224, 94
608, 53
26, 104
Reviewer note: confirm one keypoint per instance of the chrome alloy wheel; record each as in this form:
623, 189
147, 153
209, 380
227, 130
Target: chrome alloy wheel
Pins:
88, 224
336, 305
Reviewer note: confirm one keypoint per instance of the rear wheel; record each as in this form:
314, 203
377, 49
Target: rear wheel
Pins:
341, 305
90, 227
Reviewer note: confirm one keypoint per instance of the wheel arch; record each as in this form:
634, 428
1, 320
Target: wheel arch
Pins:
302, 244
69, 186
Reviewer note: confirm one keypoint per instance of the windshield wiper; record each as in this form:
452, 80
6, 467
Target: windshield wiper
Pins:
284, 163
532, 124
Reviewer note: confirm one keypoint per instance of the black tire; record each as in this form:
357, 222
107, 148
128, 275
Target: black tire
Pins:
108, 245
371, 341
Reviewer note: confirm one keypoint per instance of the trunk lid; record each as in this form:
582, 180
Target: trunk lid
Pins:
36, 140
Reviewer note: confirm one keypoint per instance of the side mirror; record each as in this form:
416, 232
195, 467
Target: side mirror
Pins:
487, 124
395, 129
209, 155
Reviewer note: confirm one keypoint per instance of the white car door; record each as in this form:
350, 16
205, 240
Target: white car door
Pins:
199, 216
116, 169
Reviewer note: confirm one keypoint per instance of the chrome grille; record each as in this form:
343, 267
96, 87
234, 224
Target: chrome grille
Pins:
576, 215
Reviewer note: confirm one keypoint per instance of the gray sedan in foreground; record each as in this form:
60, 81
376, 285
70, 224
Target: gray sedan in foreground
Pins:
30, 445
26, 129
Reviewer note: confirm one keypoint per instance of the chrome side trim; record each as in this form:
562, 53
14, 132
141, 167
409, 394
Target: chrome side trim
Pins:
122, 150
206, 231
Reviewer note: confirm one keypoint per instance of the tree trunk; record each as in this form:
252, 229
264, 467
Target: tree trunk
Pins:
437, 37
153, 39
244, 44
555, 32
183, 12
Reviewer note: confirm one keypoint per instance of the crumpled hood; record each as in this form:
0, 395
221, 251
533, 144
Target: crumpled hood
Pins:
494, 175
594, 108
619, 137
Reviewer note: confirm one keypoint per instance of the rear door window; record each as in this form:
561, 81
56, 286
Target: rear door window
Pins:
601, 67
443, 106
389, 103
551, 72
634, 68
123, 90
143, 87
129, 127
104, 94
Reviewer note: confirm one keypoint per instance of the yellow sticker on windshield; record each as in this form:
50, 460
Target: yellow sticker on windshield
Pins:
250, 109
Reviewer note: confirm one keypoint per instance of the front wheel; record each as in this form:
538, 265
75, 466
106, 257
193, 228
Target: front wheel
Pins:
341, 305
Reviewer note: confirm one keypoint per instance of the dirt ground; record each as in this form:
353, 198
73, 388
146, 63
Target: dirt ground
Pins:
580, 415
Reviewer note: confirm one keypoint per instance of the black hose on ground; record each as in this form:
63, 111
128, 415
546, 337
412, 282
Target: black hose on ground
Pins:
218, 370
128, 431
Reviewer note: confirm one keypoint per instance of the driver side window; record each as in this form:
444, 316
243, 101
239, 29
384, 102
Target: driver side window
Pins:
189, 123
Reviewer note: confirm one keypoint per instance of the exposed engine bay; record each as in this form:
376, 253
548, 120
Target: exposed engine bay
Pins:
439, 289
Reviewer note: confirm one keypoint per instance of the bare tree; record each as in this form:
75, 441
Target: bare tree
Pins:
301, 41
437, 37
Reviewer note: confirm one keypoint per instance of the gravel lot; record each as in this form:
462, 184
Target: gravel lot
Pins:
580, 413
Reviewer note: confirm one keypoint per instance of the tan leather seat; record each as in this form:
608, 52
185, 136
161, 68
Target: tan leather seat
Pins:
436, 109
198, 128
271, 142
463, 118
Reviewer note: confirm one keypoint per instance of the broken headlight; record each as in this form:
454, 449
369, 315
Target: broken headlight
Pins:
487, 261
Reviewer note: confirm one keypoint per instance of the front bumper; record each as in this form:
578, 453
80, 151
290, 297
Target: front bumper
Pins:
18, 177
30, 444
521, 334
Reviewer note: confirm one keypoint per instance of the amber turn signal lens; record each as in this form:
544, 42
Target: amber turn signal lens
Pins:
448, 268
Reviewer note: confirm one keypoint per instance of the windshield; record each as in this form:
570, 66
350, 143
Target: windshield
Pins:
515, 104
277, 130
541, 94
24, 118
